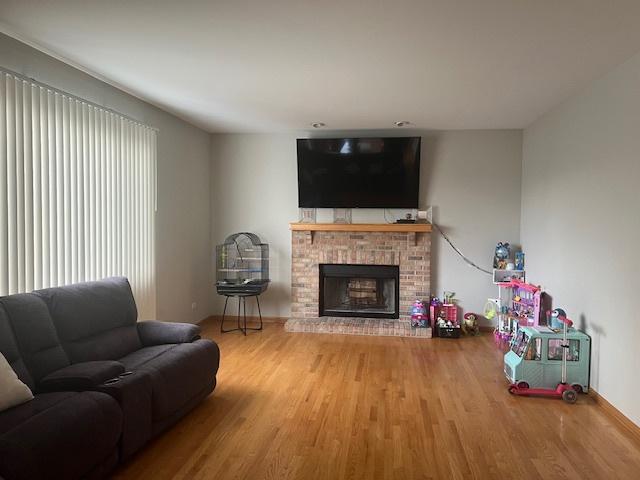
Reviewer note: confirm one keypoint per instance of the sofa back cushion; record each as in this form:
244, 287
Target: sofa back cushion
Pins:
9, 349
35, 336
95, 320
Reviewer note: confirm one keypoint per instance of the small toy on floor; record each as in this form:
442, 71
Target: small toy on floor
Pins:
419, 317
470, 324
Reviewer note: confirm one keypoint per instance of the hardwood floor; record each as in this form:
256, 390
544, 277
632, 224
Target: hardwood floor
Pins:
310, 406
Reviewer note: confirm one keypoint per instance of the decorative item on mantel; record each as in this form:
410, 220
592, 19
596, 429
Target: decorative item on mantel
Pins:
242, 271
341, 215
307, 215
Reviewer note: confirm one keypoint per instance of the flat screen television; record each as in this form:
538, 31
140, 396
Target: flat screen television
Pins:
358, 172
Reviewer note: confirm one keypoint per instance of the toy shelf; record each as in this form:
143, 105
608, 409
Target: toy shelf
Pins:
501, 276
526, 304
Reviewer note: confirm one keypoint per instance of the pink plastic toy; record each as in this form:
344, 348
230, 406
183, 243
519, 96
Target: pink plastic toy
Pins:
520, 307
419, 317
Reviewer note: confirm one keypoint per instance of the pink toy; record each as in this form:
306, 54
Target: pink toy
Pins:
445, 311
419, 317
521, 308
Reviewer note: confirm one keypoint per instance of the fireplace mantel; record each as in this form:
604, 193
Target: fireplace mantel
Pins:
311, 228
361, 227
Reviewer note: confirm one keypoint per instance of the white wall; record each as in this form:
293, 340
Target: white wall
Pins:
182, 223
580, 222
472, 178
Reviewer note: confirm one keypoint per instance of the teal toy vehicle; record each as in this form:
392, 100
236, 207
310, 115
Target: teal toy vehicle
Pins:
534, 360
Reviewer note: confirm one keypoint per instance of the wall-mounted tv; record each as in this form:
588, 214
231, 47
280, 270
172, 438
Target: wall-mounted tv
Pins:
358, 172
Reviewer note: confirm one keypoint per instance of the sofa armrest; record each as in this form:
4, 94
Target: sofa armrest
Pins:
158, 333
80, 377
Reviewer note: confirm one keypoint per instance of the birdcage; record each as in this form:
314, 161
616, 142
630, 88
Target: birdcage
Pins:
242, 265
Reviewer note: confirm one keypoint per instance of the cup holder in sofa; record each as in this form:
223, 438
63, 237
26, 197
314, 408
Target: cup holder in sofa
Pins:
118, 378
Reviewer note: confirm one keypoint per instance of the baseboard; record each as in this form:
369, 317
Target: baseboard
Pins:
623, 421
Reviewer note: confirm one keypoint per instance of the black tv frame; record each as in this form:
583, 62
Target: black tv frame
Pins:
411, 205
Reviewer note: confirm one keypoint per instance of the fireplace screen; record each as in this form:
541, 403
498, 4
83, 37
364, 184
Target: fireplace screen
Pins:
359, 291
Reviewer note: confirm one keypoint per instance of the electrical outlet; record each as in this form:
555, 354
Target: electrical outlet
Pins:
194, 306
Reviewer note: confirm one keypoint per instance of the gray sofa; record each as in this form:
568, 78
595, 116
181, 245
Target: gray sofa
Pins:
104, 384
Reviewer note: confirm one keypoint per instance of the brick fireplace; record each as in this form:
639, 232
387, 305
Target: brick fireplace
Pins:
313, 245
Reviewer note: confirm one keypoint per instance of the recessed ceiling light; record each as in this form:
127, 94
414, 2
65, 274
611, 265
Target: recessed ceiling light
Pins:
318, 125
402, 123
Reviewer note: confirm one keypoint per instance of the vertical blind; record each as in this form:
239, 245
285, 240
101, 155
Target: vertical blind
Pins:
77, 193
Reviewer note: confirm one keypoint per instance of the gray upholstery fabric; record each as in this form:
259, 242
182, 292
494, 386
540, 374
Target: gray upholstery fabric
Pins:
81, 376
178, 373
101, 471
95, 320
158, 333
162, 425
66, 440
35, 335
133, 394
9, 348
133, 361
13, 417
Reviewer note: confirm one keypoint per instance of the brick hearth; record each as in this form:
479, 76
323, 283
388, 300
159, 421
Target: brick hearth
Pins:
410, 251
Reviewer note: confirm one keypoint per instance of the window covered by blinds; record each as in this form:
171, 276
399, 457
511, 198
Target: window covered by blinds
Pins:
77, 193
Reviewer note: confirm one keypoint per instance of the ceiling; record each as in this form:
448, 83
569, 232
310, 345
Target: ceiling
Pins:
278, 65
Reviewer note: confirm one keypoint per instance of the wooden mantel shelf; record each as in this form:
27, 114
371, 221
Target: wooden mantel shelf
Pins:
361, 227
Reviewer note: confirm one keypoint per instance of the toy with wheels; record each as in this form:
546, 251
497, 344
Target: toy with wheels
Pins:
544, 363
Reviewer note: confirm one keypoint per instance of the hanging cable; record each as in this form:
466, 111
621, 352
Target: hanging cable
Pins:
457, 250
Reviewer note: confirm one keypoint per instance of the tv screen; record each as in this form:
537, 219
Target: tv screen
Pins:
358, 172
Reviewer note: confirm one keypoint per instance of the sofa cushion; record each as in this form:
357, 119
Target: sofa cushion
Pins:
35, 335
95, 320
81, 376
67, 439
178, 372
133, 361
153, 332
13, 417
9, 348
12, 391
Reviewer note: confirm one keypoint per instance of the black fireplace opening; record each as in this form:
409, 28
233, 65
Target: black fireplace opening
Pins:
359, 291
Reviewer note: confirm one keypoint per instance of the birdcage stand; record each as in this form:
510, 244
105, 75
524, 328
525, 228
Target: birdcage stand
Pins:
242, 302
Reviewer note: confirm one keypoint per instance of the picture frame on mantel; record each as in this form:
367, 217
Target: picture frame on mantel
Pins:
341, 215
308, 215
